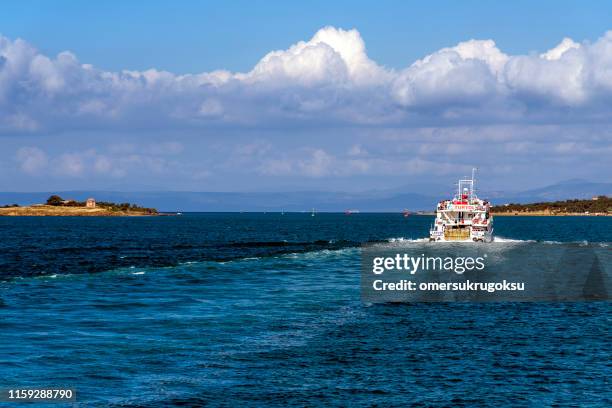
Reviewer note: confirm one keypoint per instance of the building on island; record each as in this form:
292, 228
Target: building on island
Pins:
90, 203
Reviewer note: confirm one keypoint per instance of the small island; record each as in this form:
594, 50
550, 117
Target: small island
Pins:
56, 206
596, 206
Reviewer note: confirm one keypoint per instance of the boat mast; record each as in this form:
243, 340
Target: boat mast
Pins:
472, 184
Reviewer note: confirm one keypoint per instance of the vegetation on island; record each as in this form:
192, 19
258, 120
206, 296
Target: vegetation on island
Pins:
596, 205
58, 201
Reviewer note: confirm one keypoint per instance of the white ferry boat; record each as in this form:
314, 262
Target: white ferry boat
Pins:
464, 218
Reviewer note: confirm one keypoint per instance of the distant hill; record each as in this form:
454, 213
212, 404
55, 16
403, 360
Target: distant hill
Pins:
411, 197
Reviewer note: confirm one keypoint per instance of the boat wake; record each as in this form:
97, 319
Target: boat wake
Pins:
505, 240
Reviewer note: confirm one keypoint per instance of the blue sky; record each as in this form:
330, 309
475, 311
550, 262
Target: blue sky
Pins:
261, 96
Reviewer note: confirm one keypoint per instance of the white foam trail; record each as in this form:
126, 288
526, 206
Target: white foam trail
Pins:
138, 273
316, 254
502, 239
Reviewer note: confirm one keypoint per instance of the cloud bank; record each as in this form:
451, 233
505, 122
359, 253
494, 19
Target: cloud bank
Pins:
328, 79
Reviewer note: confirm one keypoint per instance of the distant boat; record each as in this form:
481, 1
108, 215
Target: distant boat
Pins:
312, 214
179, 213
349, 212
406, 213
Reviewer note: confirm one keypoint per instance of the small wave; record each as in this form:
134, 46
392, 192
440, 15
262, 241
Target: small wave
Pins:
402, 239
46, 276
502, 239
138, 273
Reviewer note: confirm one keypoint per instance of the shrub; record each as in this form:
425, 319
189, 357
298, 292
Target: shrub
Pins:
54, 200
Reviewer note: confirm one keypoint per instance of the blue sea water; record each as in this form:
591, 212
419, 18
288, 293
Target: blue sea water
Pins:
265, 310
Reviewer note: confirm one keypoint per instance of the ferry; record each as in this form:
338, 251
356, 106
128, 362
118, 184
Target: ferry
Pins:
464, 218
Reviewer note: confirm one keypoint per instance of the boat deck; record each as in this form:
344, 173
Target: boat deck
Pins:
459, 234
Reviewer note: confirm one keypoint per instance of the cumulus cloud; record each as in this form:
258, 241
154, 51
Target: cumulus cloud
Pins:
459, 76
327, 79
557, 52
332, 56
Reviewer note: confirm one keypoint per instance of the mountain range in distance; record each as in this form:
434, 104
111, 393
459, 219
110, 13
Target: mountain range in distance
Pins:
371, 201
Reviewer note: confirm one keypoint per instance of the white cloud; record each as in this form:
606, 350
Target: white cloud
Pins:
31, 159
308, 163
555, 81
211, 108
91, 163
357, 150
555, 53
332, 56
318, 163
165, 148
102, 164
72, 164
448, 77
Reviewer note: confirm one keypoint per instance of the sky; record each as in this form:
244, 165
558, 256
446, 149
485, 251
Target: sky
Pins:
286, 96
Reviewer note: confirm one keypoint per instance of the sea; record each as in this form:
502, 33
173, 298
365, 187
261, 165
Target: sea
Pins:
265, 310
